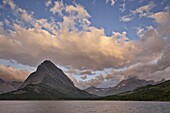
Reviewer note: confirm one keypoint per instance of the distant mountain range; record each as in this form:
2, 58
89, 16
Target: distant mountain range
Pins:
8, 86
159, 92
49, 82
97, 91
123, 86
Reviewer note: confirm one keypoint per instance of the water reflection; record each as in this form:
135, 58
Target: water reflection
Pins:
83, 107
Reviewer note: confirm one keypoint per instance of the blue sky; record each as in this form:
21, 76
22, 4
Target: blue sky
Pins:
95, 41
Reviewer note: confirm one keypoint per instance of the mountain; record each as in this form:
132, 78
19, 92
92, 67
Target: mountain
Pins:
47, 82
159, 92
128, 85
97, 91
47, 73
8, 86
123, 86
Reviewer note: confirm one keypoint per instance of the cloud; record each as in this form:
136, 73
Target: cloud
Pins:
163, 19
153, 70
144, 10
10, 3
152, 44
49, 2
111, 1
74, 15
26, 17
83, 77
78, 16
10, 73
151, 59
126, 18
58, 8
92, 82
86, 72
122, 7
23, 14
140, 31
101, 80
7, 22
2, 31
31, 46
77, 9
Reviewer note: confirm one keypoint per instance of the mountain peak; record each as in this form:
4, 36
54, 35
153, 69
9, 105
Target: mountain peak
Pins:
46, 62
47, 73
47, 66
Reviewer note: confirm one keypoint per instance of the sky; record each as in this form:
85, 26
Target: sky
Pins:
95, 42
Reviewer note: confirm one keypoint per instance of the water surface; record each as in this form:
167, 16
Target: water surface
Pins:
83, 107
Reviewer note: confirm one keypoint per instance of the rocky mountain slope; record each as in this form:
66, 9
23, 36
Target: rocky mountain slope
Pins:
158, 92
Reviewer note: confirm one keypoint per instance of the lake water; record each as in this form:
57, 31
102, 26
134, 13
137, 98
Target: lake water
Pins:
83, 107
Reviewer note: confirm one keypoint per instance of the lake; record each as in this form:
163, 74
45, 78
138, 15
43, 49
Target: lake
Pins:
83, 107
